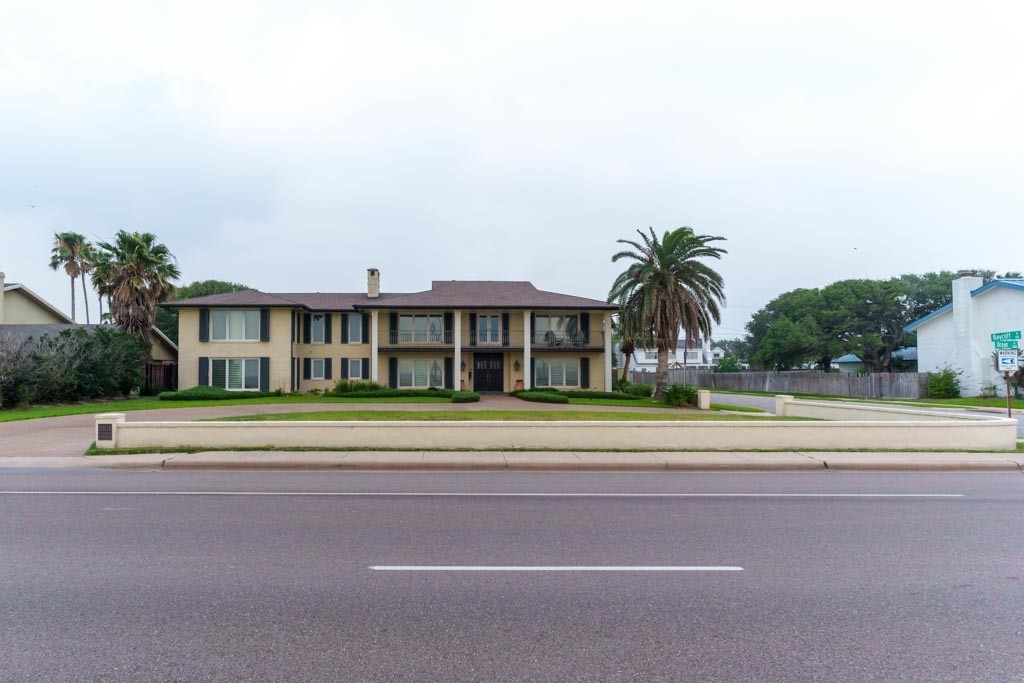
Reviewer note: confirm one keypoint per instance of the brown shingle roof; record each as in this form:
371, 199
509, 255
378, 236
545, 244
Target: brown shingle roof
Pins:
487, 294
442, 294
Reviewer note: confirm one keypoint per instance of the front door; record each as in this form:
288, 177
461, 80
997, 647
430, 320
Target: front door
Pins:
487, 372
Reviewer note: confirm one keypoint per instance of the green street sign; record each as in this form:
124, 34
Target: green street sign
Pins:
1005, 336
1007, 344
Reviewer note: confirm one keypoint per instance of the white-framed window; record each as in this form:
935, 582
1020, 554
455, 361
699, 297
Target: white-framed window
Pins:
488, 329
235, 374
420, 328
235, 325
355, 329
557, 373
355, 368
316, 368
317, 327
557, 328
420, 373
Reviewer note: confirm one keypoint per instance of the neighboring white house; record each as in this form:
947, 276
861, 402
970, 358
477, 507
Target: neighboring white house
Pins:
695, 354
958, 334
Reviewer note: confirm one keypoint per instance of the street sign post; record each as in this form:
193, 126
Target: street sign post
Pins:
1005, 336
1007, 363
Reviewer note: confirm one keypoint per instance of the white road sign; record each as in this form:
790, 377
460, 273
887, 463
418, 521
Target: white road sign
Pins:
1006, 361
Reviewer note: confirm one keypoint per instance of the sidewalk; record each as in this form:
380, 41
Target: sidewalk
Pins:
547, 460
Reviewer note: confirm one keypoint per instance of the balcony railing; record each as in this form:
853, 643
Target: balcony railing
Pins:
568, 340
397, 337
483, 338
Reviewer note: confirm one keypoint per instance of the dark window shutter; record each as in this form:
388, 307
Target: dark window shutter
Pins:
504, 329
533, 372
204, 371
204, 324
585, 374
472, 329
393, 328
293, 369
344, 368
585, 330
393, 372
448, 374
307, 368
449, 331
264, 373
293, 330
264, 324
533, 327
344, 328
327, 368
307, 328
366, 368
366, 328
328, 328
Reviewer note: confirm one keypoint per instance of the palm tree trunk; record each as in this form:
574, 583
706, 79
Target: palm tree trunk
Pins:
661, 371
99, 297
73, 319
85, 295
625, 366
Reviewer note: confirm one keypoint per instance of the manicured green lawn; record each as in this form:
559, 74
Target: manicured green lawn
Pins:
735, 409
618, 402
125, 405
969, 402
476, 415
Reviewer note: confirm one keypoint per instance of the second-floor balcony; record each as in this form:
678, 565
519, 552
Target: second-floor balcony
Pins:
436, 337
567, 340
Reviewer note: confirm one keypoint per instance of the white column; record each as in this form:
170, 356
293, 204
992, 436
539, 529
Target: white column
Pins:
527, 338
457, 361
607, 351
374, 343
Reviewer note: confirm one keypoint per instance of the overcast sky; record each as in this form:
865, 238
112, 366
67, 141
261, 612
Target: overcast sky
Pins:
291, 148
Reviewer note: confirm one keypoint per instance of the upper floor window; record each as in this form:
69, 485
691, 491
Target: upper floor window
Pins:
557, 327
488, 329
317, 327
355, 329
235, 325
420, 328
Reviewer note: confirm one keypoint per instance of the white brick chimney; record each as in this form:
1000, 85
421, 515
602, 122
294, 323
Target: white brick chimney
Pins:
1, 298
372, 283
968, 358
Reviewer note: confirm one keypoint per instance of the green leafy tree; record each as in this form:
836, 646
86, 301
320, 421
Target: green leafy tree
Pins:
136, 273
786, 345
70, 251
729, 363
167, 319
670, 287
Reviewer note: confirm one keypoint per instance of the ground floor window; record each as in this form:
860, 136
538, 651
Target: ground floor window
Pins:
235, 374
316, 368
556, 373
420, 373
355, 368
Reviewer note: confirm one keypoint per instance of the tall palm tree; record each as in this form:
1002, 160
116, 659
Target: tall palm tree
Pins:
93, 258
135, 272
68, 252
671, 288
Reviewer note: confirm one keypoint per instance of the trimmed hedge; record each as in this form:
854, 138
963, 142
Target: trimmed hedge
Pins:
213, 394
541, 396
454, 396
602, 394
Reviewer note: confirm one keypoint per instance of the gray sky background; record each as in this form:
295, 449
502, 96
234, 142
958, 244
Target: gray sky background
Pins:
291, 147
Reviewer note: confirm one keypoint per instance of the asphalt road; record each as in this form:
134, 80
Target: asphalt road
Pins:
129, 587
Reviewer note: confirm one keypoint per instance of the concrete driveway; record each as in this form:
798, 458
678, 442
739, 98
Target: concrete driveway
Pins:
72, 434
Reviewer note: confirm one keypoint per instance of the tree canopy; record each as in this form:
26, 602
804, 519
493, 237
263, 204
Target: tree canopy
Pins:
167, 319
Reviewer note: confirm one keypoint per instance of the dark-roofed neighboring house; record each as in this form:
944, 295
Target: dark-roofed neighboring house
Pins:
491, 336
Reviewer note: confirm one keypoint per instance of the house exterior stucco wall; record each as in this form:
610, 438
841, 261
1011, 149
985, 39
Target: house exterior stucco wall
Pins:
22, 310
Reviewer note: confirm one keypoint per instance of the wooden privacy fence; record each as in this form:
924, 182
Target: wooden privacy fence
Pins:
874, 385
160, 377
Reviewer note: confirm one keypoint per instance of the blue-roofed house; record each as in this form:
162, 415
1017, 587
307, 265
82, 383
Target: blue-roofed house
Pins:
958, 335
904, 360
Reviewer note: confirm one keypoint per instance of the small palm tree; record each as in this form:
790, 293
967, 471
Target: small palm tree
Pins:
627, 328
136, 273
69, 252
671, 288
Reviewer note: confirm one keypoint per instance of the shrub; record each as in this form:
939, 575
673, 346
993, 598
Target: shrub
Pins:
640, 390
729, 363
465, 397
680, 395
944, 384
541, 396
603, 394
346, 386
213, 394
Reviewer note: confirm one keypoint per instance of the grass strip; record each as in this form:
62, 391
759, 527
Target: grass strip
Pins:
483, 415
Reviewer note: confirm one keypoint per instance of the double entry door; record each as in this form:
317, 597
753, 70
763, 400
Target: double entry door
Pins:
488, 374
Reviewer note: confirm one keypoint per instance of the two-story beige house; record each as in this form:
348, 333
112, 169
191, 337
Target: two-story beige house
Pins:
489, 336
